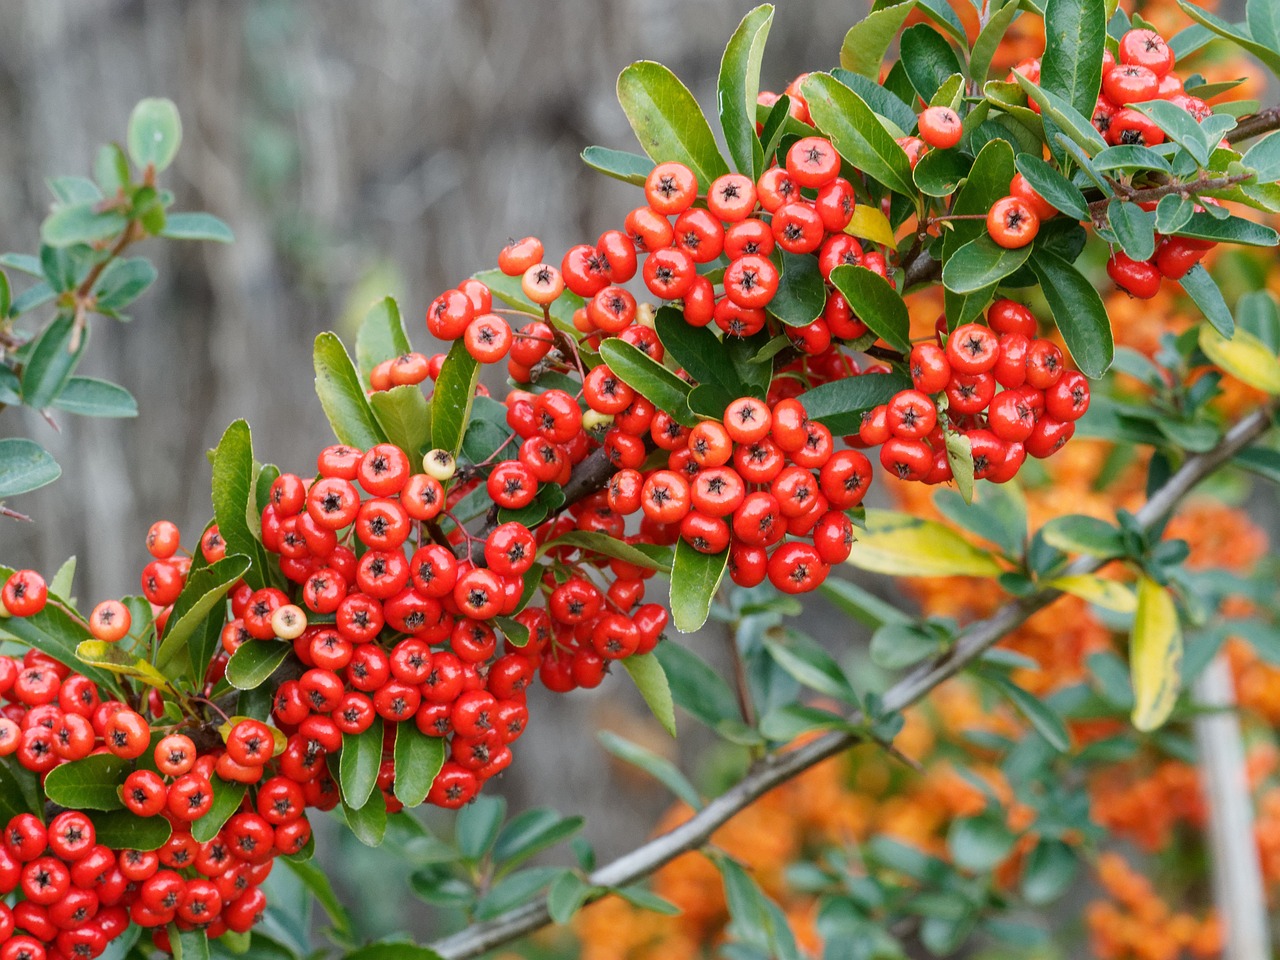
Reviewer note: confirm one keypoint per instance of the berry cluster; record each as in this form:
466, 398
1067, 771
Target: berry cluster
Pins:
746, 484
1142, 73
1006, 392
70, 895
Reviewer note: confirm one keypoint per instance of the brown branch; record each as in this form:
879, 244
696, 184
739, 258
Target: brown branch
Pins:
1176, 188
778, 768
1256, 124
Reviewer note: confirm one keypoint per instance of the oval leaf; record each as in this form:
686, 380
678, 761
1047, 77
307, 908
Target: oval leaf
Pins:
856, 133
649, 378
25, 466
88, 784
695, 578
738, 87
418, 760
155, 130
1155, 654
668, 121
876, 303
1078, 311
1244, 356
906, 546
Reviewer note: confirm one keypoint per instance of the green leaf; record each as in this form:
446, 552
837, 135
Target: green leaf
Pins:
1079, 312
660, 768
791, 720
368, 823
342, 396
1130, 158
1264, 158
668, 121
859, 603
1048, 872
1134, 227
1200, 286
227, 795
1155, 654
1180, 127
755, 919
530, 833
80, 223
196, 226
452, 400
205, 589
695, 578
1173, 213
25, 466
122, 830
381, 337
981, 263
19, 791
739, 85
896, 645
839, 404
697, 688
902, 545
647, 674
91, 397
649, 378
988, 41
358, 763
155, 131
812, 666
702, 354
233, 507
876, 303
1074, 125
317, 882
619, 164
567, 895
405, 418
254, 662
51, 362
940, 172
418, 760
1219, 26
867, 41
478, 826
879, 99
928, 59
1039, 714
1077, 533
801, 293
1243, 356
88, 784
856, 133
642, 555
513, 890
1204, 226
979, 844
1075, 38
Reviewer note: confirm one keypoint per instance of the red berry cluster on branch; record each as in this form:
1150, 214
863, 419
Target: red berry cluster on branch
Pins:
71, 894
1006, 392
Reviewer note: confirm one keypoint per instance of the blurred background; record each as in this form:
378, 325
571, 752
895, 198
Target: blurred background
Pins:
357, 150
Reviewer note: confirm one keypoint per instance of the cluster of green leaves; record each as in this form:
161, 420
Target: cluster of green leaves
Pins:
80, 270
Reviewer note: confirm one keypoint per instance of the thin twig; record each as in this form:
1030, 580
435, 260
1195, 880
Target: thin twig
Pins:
778, 768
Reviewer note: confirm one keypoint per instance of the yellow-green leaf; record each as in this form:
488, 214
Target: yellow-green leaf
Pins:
109, 656
1108, 594
1155, 653
869, 223
1244, 356
906, 546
